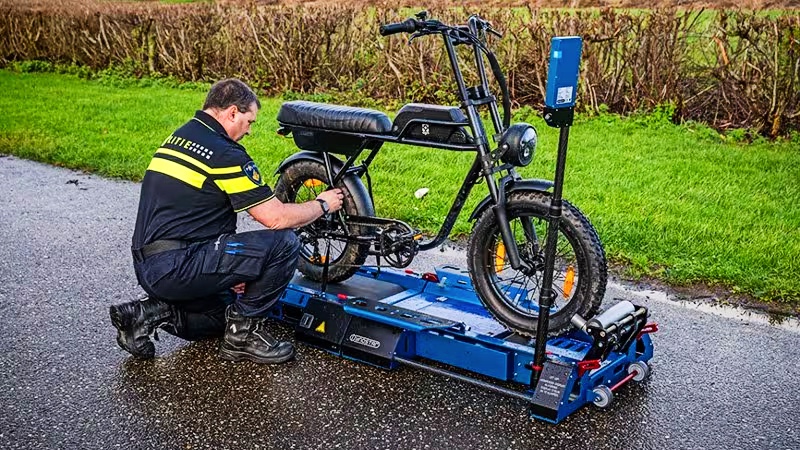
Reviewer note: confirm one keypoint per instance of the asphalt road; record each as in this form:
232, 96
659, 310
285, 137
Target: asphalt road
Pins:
718, 382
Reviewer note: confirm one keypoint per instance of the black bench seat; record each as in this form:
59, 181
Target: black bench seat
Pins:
334, 117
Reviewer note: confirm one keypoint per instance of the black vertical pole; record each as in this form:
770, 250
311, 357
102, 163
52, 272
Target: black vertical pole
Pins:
563, 119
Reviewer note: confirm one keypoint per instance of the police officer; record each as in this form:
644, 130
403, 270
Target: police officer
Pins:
187, 254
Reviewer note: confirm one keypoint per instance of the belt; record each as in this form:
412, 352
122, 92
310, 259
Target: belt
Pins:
159, 246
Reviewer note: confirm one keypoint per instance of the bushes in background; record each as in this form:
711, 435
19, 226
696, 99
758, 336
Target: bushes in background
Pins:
730, 69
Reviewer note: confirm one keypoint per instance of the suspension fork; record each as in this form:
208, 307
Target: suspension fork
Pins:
501, 214
484, 160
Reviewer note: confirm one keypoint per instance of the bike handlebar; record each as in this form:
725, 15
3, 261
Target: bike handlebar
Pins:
406, 26
421, 26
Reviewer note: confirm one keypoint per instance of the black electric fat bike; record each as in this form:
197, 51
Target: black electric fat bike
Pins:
506, 246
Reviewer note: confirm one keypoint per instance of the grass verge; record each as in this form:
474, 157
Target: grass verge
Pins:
672, 202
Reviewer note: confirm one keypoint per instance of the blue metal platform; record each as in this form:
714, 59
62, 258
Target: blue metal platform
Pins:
388, 317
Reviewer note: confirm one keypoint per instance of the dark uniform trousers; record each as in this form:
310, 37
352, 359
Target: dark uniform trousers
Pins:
198, 279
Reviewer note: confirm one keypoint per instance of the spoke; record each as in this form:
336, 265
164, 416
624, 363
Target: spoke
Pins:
524, 289
493, 257
529, 230
519, 291
539, 283
514, 231
514, 282
335, 247
560, 293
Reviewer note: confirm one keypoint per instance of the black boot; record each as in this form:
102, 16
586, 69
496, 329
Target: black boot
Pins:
136, 321
247, 338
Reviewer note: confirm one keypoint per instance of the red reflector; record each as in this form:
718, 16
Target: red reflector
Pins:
409, 271
428, 276
341, 296
590, 364
651, 327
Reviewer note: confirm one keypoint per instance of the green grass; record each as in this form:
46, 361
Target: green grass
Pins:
675, 202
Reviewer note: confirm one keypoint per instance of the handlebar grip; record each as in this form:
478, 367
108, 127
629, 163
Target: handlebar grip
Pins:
407, 26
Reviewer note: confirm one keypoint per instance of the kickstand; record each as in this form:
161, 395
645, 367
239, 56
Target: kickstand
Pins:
378, 265
325, 265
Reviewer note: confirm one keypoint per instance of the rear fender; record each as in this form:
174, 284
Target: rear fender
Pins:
511, 187
351, 181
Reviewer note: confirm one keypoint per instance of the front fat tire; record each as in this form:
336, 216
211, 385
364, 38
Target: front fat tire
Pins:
353, 255
580, 235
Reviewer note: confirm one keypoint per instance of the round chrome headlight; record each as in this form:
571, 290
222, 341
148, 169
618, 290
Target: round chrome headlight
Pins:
519, 144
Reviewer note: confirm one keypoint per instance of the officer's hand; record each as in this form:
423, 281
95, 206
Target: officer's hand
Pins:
333, 198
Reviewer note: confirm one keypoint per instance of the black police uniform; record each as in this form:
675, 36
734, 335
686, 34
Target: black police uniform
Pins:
185, 247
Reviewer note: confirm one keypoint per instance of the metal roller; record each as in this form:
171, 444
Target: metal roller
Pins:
612, 315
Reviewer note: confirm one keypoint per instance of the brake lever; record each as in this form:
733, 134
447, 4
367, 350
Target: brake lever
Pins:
416, 34
494, 32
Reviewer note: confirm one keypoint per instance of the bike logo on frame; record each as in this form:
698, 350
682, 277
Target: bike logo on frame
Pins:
426, 129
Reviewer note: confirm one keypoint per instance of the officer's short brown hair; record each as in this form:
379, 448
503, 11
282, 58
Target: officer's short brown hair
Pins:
228, 92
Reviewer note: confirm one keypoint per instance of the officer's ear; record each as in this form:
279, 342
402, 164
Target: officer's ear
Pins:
230, 112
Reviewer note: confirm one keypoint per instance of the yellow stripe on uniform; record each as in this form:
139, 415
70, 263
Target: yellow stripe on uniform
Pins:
177, 171
198, 164
236, 185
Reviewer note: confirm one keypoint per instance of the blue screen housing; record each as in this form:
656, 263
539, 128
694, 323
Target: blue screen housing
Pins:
563, 70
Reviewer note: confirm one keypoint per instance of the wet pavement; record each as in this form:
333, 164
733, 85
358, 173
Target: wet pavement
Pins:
720, 380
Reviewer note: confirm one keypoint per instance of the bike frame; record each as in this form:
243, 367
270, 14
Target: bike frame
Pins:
482, 167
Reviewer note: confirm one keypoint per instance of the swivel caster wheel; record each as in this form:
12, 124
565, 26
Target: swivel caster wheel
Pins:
642, 370
603, 396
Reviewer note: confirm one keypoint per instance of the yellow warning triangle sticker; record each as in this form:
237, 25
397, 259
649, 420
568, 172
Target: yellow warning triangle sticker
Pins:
320, 328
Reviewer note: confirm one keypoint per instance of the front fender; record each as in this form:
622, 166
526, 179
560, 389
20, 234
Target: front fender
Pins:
353, 183
512, 186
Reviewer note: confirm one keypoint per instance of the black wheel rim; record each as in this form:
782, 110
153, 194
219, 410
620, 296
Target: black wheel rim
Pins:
315, 245
519, 291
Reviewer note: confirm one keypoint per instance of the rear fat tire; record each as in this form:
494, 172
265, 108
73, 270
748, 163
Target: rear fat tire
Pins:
582, 238
353, 255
